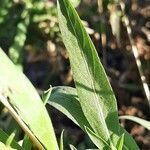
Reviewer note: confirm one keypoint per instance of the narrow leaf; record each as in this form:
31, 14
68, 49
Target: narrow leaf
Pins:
72, 147
65, 99
27, 105
93, 88
140, 121
4, 137
10, 138
92, 149
97, 140
120, 143
27, 145
75, 3
46, 95
61, 141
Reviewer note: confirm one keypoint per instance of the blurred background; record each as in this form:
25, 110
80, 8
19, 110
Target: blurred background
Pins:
30, 35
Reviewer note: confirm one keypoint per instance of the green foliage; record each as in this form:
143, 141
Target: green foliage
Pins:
75, 3
61, 141
46, 95
23, 22
91, 105
138, 120
22, 96
4, 138
27, 143
87, 71
72, 147
66, 100
16, 50
120, 143
95, 94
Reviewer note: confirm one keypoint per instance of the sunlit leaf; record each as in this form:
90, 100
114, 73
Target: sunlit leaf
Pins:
65, 99
61, 141
95, 93
72, 147
27, 145
138, 120
46, 95
4, 138
75, 3
120, 143
27, 105
97, 140
10, 138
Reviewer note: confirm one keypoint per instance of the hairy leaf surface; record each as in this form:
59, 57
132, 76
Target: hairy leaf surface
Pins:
66, 100
95, 94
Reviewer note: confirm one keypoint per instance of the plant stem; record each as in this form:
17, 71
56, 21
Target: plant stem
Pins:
20, 121
136, 54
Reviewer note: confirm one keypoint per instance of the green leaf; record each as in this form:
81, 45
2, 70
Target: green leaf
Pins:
75, 3
10, 138
16, 50
120, 143
92, 149
95, 93
46, 95
17, 91
27, 145
4, 137
72, 147
97, 140
4, 147
65, 99
138, 120
61, 141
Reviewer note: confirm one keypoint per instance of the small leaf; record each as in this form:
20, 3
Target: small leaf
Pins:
4, 137
92, 149
75, 3
72, 147
5, 147
97, 140
120, 143
10, 138
27, 145
46, 95
65, 100
61, 141
140, 121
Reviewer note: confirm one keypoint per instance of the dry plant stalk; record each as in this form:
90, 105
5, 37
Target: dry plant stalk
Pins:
135, 53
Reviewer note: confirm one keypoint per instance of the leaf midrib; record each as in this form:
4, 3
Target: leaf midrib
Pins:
91, 81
